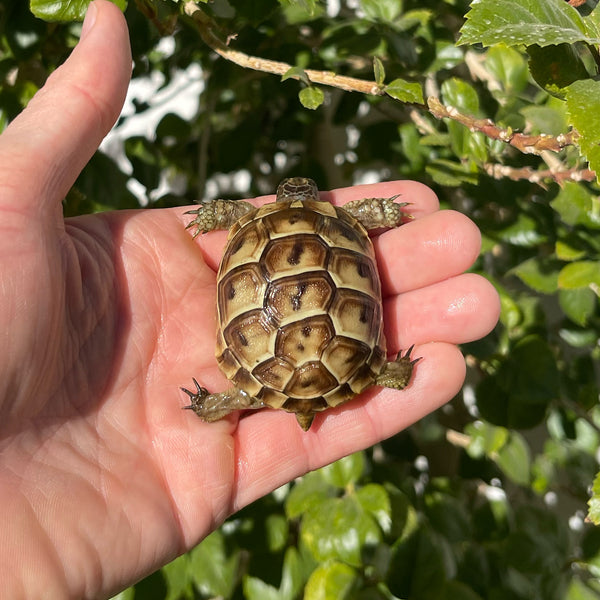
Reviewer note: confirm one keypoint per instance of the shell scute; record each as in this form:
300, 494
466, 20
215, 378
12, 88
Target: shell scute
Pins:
299, 297
300, 318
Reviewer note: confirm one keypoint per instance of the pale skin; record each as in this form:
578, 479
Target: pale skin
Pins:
103, 476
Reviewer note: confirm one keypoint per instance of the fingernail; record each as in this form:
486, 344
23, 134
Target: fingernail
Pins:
90, 19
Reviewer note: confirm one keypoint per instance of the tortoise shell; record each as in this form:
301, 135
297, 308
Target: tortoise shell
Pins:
299, 306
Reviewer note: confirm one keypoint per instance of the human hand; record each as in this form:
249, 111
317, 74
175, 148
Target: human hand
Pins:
103, 478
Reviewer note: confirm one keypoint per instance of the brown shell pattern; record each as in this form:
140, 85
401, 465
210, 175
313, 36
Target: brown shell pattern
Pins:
299, 306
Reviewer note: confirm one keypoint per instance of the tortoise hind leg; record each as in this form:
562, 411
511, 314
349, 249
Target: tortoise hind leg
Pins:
212, 407
397, 374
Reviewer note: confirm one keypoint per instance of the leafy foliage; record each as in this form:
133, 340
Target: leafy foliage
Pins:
486, 498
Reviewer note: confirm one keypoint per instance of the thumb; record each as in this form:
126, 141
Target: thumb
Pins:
45, 148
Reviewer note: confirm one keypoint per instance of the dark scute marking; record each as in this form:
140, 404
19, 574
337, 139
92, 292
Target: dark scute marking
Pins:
306, 330
236, 247
295, 254
295, 217
230, 291
365, 313
362, 269
242, 338
296, 299
348, 232
300, 347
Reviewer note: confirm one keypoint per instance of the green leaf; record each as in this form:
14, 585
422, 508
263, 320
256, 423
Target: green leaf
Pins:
523, 232
507, 66
405, 91
583, 106
257, 589
556, 67
382, 10
577, 206
213, 570
311, 97
65, 10
518, 394
516, 22
485, 439
339, 529
331, 581
538, 274
578, 304
345, 471
296, 73
514, 458
376, 501
378, 70
310, 491
581, 274
465, 143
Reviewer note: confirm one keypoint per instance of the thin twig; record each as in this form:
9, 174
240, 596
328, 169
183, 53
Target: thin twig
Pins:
538, 176
349, 84
528, 144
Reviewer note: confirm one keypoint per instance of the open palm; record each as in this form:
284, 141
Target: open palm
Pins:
103, 477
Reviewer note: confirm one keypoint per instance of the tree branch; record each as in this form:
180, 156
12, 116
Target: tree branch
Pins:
349, 84
528, 144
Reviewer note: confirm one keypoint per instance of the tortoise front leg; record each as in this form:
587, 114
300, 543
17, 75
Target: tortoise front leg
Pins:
397, 374
373, 213
212, 407
217, 214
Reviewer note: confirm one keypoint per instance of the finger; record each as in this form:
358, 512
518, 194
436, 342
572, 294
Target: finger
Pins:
432, 248
272, 449
459, 310
423, 201
46, 146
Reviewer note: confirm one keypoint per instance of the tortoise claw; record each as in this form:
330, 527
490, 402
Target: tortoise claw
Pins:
196, 396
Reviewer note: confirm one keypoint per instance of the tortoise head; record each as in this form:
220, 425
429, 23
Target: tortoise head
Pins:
297, 188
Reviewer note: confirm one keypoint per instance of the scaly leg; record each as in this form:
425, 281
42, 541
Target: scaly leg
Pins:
373, 213
397, 374
212, 407
217, 214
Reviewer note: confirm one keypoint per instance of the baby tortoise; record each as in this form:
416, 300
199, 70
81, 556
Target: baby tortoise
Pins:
300, 323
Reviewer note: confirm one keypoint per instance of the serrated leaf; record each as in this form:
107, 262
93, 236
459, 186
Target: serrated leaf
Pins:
516, 22
405, 91
577, 206
65, 10
311, 97
580, 274
583, 106
331, 581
